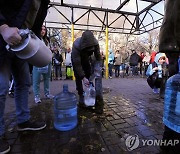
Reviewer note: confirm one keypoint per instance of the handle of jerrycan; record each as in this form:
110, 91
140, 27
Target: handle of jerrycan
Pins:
24, 34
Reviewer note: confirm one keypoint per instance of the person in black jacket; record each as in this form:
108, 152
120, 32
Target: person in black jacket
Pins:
15, 15
83, 65
133, 62
57, 60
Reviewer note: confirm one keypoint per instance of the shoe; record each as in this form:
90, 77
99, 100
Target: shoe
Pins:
49, 96
11, 94
156, 90
99, 105
4, 146
37, 99
110, 77
31, 126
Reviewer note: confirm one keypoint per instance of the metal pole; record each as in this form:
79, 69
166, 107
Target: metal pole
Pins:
72, 32
72, 36
107, 46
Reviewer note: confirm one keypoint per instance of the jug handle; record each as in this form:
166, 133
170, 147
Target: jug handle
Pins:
23, 33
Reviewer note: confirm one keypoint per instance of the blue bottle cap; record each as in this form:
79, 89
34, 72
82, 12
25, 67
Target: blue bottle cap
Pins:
65, 88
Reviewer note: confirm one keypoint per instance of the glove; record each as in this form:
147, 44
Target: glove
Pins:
86, 82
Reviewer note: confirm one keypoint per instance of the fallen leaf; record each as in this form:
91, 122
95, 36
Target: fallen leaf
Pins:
72, 139
89, 147
109, 113
148, 124
103, 149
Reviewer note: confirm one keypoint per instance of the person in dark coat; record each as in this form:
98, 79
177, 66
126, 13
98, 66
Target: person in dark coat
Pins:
83, 49
58, 59
15, 15
133, 62
169, 43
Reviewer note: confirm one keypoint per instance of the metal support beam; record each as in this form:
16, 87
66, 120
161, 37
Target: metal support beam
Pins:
137, 23
122, 4
62, 14
92, 8
149, 7
104, 25
152, 1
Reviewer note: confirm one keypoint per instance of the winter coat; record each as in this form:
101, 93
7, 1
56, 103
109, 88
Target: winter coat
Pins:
14, 13
134, 59
111, 57
171, 117
118, 59
80, 56
150, 67
57, 58
68, 59
154, 75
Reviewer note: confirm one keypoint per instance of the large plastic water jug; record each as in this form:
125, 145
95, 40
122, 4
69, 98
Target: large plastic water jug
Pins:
90, 96
65, 110
172, 102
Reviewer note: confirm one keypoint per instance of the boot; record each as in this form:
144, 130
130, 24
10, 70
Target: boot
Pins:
99, 105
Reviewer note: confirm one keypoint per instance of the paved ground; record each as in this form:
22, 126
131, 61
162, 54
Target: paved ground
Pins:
130, 109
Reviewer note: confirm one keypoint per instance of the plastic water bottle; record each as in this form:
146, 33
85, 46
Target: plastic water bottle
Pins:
171, 116
90, 96
65, 110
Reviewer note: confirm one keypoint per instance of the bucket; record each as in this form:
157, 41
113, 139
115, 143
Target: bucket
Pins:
32, 49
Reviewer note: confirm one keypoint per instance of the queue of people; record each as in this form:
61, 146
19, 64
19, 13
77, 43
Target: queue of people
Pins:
84, 58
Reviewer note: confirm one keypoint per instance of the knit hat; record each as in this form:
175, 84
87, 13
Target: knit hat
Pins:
158, 56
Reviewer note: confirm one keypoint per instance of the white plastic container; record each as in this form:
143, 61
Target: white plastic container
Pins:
32, 49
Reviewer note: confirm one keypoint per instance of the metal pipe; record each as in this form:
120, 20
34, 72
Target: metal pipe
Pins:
107, 46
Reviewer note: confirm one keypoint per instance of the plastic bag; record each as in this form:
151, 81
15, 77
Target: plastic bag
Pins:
69, 72
90, 96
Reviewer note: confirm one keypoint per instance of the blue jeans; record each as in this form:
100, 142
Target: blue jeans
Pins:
37, 80
58, 70
110, 66
20, 71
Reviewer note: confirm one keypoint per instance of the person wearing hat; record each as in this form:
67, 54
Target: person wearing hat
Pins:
84, 50
154, 72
